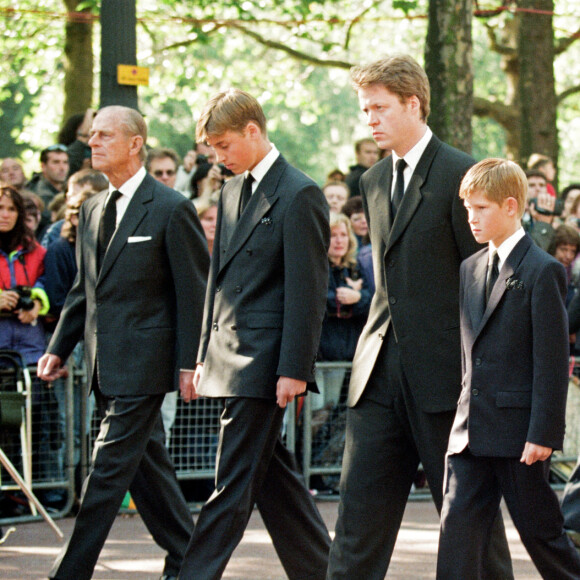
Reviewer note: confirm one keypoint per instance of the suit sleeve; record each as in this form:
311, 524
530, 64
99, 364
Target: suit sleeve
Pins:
550, 356
189, 261
574, 314
306, 236
71, 324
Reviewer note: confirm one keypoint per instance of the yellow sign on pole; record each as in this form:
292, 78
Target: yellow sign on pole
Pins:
129, 74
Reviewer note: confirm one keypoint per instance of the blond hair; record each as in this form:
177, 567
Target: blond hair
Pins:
497, 179
229, 110
349, 259
400, 74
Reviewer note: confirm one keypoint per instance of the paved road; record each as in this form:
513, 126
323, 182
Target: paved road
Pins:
130, 553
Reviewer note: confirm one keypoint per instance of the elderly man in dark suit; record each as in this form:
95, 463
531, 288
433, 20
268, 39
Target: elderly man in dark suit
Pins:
262, 322
406, 372
138, 301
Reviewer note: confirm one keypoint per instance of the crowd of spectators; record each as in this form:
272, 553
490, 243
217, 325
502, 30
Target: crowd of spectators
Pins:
39, 216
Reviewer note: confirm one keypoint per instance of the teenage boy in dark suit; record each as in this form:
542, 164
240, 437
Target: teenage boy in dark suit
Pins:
263, 315
510, 416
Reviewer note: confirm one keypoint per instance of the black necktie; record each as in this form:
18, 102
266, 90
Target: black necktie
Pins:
107, 226
246, 192
399, 187
492, 274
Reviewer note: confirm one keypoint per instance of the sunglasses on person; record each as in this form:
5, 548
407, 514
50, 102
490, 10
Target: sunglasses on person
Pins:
160, 172
57, 147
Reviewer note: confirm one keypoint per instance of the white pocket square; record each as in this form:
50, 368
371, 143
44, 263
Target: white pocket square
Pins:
136, 239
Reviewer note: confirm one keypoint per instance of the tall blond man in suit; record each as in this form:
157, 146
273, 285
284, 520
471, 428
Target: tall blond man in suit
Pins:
406, 374
138, 302
265, 303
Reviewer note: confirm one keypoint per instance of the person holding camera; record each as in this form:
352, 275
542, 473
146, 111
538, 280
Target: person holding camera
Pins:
541, 210
22, 301
199, 154
22, 296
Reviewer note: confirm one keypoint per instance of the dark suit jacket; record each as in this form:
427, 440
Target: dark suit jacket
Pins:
141, 316
515, 355
416, 262
266, 294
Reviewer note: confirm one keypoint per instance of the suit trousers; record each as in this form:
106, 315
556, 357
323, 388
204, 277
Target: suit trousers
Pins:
254, 467
387, 436
474, 487
129, 453
571, 501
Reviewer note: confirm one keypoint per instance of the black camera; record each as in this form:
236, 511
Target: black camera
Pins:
558, 207
225, 171
200, 159
25, 300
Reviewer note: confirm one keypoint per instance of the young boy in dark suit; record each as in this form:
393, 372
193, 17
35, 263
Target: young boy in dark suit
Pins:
510, 415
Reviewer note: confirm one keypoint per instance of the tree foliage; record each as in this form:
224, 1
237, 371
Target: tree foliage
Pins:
294, 55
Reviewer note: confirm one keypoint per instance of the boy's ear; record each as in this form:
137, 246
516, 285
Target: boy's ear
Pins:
252, 129
511, 204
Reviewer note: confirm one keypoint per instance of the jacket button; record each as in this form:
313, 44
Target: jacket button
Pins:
475, 392
249, 251
477, 362
238, 289
381, 336
215, 326
218, 289
234, 327
392, 300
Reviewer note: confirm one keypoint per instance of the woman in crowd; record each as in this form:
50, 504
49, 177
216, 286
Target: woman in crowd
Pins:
206, 181
347, 307
348, 298
22, 300
207, 213
353, 209
22, 295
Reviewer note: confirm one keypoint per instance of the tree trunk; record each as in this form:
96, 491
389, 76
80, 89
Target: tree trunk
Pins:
78, 50
449, 66
537, 95
118, 46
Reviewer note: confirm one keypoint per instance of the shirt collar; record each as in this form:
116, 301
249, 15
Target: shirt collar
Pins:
130, 186
263, 166
506, 247
413, 156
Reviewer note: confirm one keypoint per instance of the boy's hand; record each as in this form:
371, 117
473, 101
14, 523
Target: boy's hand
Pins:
188, 382
533, 453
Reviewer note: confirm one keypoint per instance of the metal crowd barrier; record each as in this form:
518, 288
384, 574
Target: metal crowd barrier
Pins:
41, 451
314, 430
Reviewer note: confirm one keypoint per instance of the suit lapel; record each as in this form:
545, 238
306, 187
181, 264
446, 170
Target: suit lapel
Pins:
230, 209
413, 195
265, 196
91, 235
507, 271
475, 293
384, 205
134, 214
